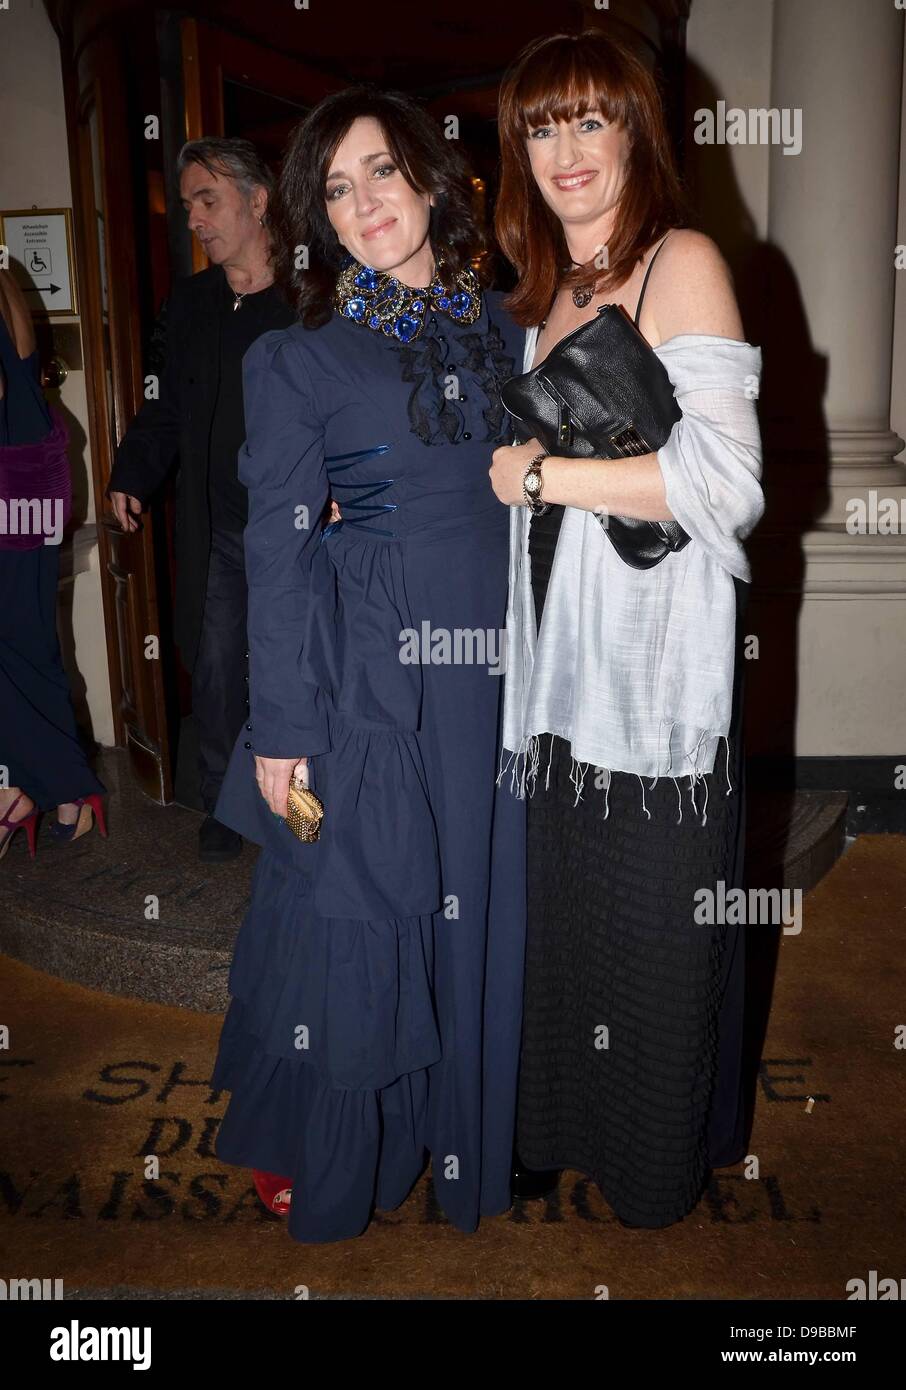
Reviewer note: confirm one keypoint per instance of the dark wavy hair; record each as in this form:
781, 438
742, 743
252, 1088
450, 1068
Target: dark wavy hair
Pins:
557, 78
429, 162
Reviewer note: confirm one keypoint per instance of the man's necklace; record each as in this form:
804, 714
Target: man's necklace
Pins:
238, 298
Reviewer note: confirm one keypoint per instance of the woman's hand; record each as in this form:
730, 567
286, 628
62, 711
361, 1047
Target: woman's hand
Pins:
508, 465
616, 487
273, 776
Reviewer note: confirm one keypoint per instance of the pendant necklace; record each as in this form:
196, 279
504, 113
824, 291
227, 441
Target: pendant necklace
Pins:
582, 294
239, 297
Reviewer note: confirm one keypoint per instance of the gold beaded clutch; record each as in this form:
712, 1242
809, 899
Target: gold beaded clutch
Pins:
304, 812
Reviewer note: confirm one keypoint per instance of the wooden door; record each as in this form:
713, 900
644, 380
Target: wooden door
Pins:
231, 86
102, 172
238, 87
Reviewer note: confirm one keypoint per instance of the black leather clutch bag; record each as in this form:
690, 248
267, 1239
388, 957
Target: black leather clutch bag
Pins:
603, 393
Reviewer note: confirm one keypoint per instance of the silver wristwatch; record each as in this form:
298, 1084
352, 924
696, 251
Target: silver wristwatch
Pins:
532, 484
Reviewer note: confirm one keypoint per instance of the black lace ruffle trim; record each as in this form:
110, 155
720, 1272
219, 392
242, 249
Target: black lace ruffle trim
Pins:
428, 363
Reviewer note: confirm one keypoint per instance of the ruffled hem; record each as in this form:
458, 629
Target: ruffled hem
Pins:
349, 999
347, 1152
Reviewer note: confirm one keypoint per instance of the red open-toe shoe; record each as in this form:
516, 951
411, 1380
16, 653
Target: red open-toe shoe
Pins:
275, 1192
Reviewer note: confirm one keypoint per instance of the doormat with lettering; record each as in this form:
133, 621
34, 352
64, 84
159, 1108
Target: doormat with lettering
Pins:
90, 1084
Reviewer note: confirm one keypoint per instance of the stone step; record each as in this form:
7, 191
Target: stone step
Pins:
793, 837
83, 911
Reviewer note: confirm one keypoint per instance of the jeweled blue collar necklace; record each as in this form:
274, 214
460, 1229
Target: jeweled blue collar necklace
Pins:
381, 302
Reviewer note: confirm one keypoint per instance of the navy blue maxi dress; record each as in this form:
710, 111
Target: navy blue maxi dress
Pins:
40, 744
377, 979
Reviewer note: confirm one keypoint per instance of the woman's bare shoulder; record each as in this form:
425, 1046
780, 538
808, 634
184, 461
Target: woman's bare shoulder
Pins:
16, 314
691, 288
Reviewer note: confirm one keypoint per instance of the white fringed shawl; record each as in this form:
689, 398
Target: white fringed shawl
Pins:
634, 668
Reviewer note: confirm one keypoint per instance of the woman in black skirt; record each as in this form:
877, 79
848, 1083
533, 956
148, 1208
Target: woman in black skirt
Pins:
622, 708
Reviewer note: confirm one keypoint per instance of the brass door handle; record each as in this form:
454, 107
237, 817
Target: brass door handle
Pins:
54, 373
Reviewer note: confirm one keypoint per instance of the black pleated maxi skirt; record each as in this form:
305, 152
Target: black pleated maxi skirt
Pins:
632, 1029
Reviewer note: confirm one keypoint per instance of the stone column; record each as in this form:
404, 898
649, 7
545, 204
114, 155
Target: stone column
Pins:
833, 213
833, 220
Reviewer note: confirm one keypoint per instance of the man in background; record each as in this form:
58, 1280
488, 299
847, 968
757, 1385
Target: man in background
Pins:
209, 321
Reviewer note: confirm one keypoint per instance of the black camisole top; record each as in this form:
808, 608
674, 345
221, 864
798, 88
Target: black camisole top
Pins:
544, 530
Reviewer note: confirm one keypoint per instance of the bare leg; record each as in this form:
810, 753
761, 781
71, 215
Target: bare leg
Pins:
25, 807
8, 796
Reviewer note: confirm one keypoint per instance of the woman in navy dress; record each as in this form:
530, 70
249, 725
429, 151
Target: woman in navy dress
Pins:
40, 747
377, 978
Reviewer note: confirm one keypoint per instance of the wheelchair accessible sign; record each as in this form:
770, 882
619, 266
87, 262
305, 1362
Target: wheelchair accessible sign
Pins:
37, 247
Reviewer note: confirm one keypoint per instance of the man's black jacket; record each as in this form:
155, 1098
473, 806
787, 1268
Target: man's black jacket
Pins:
178, 425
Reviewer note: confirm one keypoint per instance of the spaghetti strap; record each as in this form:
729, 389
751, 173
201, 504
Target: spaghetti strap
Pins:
638, 310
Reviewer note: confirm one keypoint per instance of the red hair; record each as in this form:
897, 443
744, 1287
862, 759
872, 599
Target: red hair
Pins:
558, 79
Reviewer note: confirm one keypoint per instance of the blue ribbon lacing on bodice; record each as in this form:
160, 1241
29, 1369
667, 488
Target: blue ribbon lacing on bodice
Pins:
363, 502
